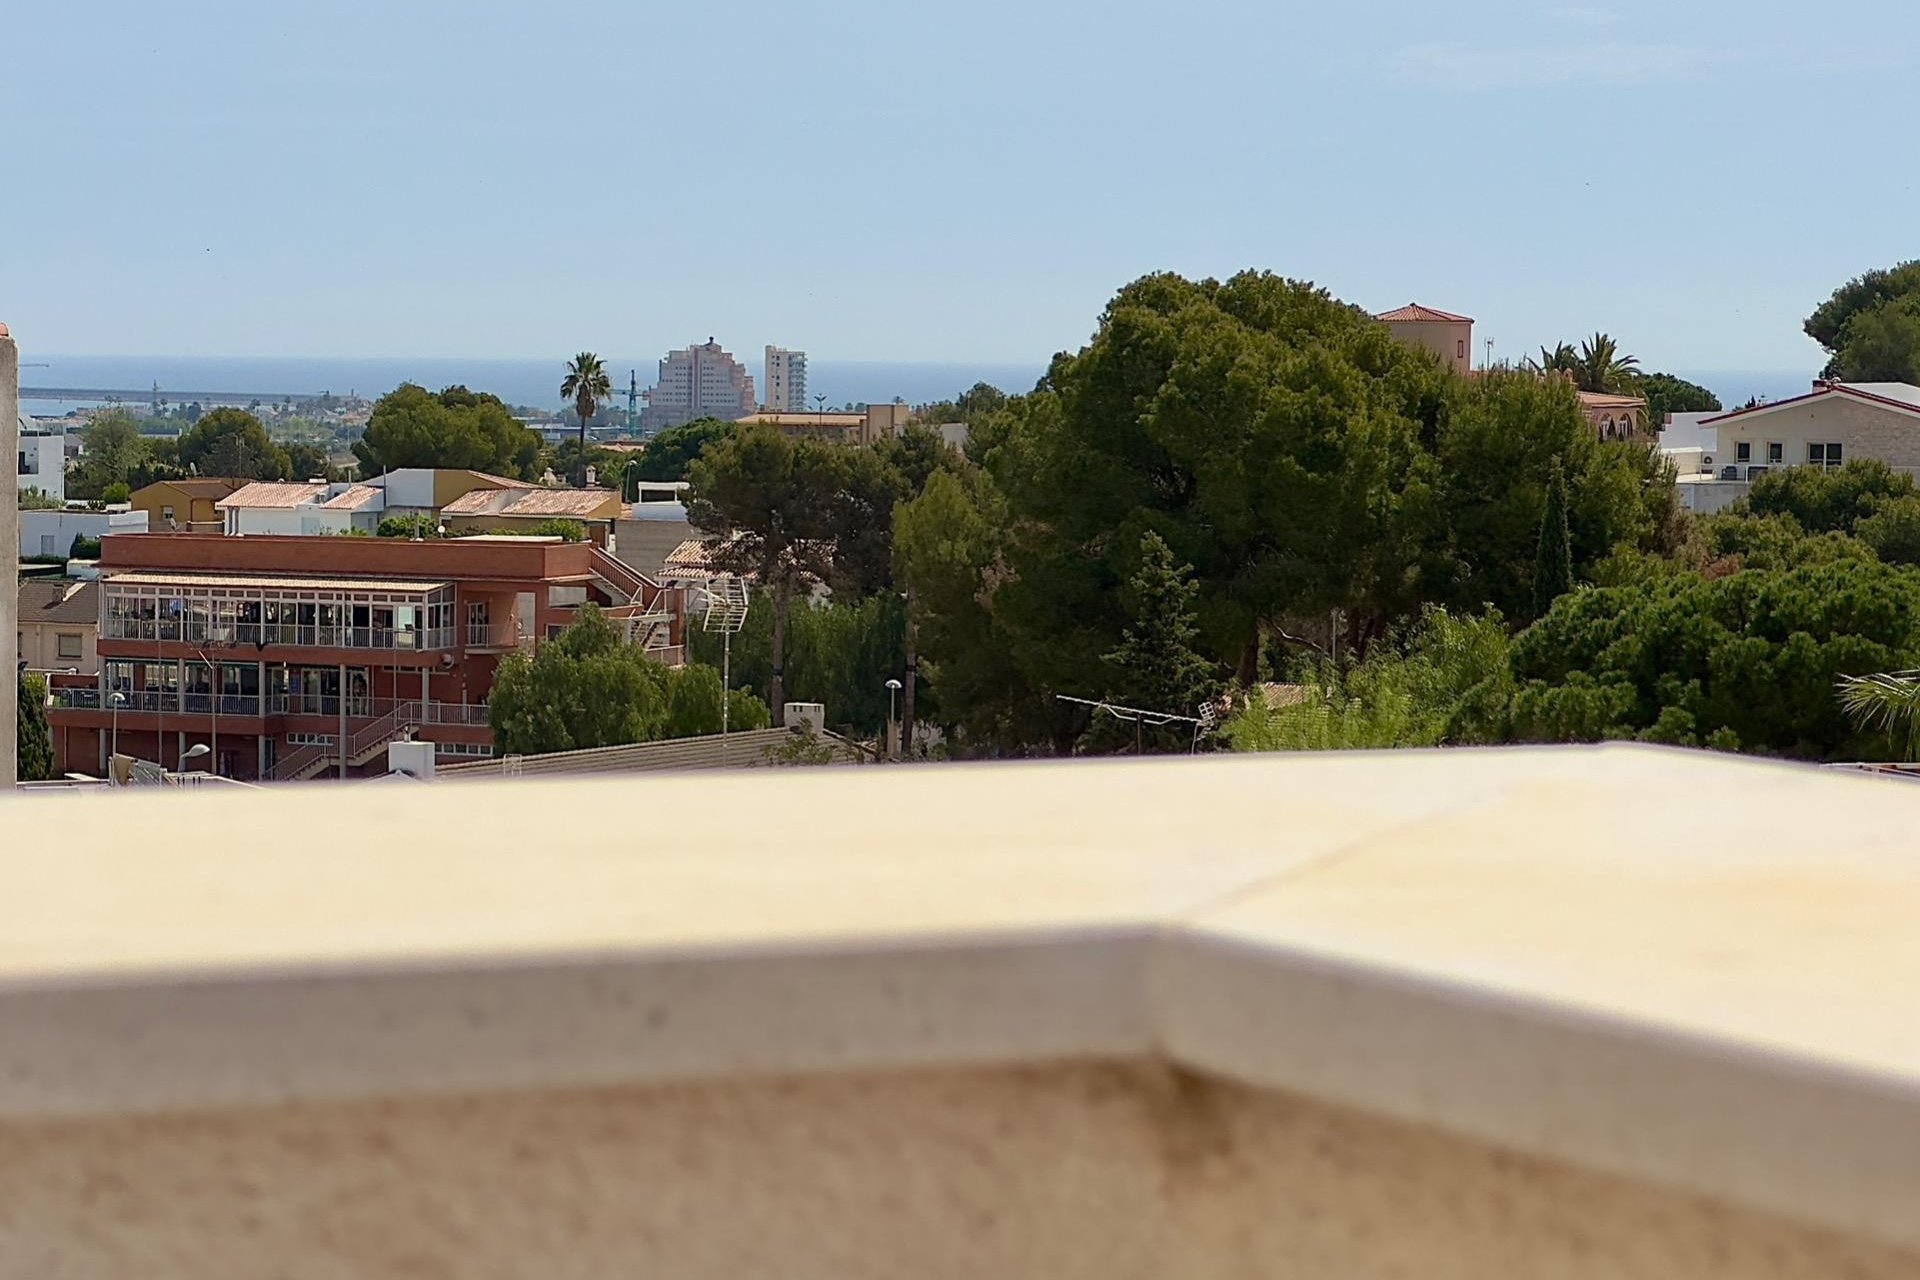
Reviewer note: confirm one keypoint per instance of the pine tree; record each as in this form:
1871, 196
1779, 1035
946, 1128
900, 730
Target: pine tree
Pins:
1157, 666
1553, 565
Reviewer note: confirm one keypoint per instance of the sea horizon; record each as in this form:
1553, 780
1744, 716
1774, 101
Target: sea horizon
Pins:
535, 383
532, 383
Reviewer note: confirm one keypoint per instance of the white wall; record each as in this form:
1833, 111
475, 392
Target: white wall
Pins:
310, 520
53, 532
43, 464
408, 487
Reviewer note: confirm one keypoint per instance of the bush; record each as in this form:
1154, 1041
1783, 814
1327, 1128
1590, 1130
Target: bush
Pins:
408, 527
84, 549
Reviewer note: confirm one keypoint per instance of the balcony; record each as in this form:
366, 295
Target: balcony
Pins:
159, 701
169, 702
496, 635
262, 635
1439, 1014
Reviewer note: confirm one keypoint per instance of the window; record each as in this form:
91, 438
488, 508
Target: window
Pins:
46, 544
1776, 452
1460, 349
166, 513
1743, 451
69, 645
1823, 455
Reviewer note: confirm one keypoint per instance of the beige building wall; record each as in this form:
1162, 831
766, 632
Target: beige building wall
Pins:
1451, 340
41, 646
1066, 1171
1862, 430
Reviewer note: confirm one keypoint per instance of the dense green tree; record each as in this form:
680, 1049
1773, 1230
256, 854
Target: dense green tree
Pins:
1268, 433
1829, 501
420, 526
231, 442
1495, 451
1868, 326
767, 503
589, 688
1553, 563
1666, 393
588, 386
309, 462
1882, 345
458, 428
1749, 660
948, 544
838, 653
112, 444
36, 739
668, 454
1155, 667
1892, 532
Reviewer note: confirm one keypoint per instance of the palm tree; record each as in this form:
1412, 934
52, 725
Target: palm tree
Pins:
586, 384
1601, 367
1888, 703
1559, 360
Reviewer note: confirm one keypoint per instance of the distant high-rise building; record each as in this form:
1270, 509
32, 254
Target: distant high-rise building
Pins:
700, 381
786, 381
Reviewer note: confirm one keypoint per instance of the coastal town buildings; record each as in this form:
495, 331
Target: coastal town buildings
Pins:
700, 381
785, 384
293, 657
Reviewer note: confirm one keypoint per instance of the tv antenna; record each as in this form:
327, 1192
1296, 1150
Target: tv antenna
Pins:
727, 604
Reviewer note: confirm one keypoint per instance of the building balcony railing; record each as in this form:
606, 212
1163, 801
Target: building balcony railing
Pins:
1448, 1013
171, 702
494, 635
261, 635
164, 701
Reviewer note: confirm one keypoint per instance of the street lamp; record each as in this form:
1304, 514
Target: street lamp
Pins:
893, 692
118, 698
194, 752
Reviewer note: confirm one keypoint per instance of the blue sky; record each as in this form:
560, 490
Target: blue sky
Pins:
905, 181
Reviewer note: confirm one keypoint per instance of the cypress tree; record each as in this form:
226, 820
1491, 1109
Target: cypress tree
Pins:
1553, 564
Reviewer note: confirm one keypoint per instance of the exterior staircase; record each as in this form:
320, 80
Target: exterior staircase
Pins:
366, 738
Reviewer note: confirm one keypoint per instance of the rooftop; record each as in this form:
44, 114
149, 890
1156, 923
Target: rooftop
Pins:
1900, 396
354, 497
59, 600
1413, 311
277, 582
272, 493
580, 504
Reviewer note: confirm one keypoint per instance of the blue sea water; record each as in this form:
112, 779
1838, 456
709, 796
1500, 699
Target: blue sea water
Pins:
535, 383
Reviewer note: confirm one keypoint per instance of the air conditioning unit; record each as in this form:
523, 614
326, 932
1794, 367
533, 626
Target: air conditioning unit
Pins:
1729, 473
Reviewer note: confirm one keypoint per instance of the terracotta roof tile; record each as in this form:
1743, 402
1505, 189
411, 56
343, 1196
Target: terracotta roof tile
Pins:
271, 493
1415, 312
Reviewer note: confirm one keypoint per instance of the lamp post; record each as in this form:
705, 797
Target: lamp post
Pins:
893, 732
118, 698
193, 752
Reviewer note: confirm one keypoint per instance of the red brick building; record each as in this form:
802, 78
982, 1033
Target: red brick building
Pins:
294, 657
